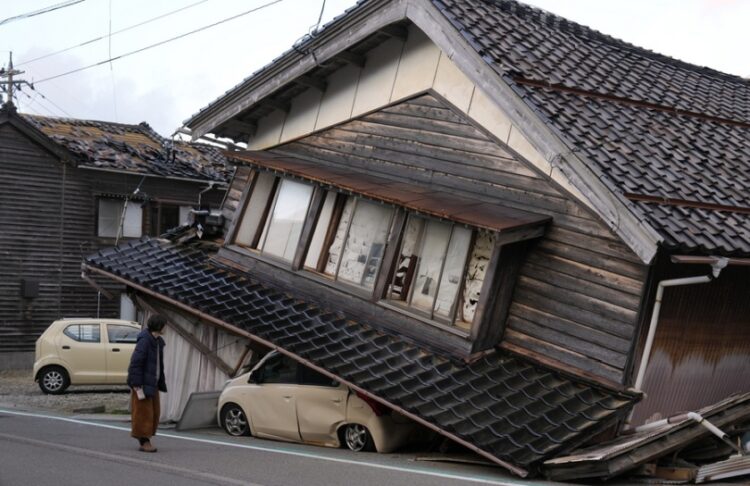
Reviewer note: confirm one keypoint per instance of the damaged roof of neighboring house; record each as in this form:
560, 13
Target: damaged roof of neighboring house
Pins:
669, 139
136, 149
509, 409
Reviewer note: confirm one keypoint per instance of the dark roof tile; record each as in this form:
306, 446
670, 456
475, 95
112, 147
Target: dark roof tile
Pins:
513, 409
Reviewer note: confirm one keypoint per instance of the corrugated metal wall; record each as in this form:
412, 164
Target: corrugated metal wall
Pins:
47, 224
701, 350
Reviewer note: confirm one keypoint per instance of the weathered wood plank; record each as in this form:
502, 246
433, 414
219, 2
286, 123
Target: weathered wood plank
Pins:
561, 354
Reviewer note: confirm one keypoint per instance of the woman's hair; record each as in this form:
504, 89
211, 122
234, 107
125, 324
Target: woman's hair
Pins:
156, 323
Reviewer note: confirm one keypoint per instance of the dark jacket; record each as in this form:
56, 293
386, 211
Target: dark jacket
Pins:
142, 369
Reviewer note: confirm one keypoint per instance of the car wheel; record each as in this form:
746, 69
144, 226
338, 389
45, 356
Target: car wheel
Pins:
54, 380
357, 438
234, 420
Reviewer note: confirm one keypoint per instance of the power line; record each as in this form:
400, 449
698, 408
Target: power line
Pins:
121, 56
131, 27
41, 11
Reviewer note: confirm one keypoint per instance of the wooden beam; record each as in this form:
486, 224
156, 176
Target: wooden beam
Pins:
314, 82
708, 260
187, 336
520, 234
390, 257
308, 229
395, 31
96, 286
351, 58
276, 104
241, 126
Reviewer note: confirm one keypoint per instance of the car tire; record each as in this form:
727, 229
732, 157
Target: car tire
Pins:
234, 420
357, 438
53, 380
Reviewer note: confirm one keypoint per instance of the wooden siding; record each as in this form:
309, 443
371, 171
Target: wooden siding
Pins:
48, 218
579, 291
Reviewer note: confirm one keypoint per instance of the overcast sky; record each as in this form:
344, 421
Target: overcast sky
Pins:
167, 84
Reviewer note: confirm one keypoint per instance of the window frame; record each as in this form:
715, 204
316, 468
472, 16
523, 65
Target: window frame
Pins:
121, 202
377, 295
405, 304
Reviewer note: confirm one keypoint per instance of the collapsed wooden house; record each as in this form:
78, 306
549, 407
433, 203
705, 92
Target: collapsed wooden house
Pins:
467, 211
71, 187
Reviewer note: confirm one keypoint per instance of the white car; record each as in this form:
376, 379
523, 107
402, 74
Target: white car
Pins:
281, 399
84, 352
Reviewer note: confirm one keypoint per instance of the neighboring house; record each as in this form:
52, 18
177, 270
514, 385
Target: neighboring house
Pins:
463, 209
67, 186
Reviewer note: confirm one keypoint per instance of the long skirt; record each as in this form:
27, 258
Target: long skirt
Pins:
144, 416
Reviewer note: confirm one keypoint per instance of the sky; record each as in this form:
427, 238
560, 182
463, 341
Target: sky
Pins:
167, 84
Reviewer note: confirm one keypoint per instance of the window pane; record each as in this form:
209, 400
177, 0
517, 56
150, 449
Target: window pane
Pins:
280, 369
122, 334
89, 333
407, 262
452, 271
434, 246
256, 208
109, 217
321, 230
365, 243
73, 332
286, 222
475, 273
184, 216
133, 227
334, 252
312, 377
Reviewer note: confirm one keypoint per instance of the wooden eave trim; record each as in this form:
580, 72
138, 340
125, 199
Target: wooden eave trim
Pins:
241, 332
349, 31
40, 138
612, 208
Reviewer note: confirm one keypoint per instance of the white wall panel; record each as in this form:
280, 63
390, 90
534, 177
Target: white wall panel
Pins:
376, 83
302, 115
452, 84
269, 131
419, 62
338, 100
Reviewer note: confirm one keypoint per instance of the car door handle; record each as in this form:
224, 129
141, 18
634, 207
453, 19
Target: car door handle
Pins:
115, 350
288, 397
66, 347
336, 400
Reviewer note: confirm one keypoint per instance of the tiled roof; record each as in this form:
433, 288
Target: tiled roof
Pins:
510, 408
133, 148
649, 124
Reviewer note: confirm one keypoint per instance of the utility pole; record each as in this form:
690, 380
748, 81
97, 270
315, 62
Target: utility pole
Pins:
7, 83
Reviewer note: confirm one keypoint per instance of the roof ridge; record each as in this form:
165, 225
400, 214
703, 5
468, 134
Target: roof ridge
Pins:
563, 24
141, 127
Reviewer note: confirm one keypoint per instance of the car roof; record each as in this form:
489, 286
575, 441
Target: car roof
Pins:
91, 320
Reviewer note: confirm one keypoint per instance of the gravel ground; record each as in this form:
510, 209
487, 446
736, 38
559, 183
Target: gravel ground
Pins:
19, 390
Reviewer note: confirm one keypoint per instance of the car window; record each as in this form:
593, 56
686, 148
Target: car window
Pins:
309, 376
83, 333
122, 334
280, 369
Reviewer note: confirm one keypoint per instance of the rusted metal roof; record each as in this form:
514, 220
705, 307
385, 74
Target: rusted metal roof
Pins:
442, 204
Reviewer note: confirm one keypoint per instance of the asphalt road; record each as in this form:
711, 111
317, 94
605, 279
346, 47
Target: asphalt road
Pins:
43, 449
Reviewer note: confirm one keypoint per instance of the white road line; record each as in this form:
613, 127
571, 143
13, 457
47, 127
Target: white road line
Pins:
444, 475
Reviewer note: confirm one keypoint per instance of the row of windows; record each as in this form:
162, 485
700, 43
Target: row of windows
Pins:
438, 271
112, 214
91, 333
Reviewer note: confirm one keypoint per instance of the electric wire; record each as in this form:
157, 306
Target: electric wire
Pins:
161, 43
53, 103
41, 11
125, 29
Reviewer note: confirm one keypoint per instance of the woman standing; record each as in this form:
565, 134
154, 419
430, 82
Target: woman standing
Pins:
146, 380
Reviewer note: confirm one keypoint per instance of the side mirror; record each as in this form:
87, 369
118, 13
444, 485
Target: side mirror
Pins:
256, 376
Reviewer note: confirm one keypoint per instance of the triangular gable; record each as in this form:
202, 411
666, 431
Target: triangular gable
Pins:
497, 107
9, 115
